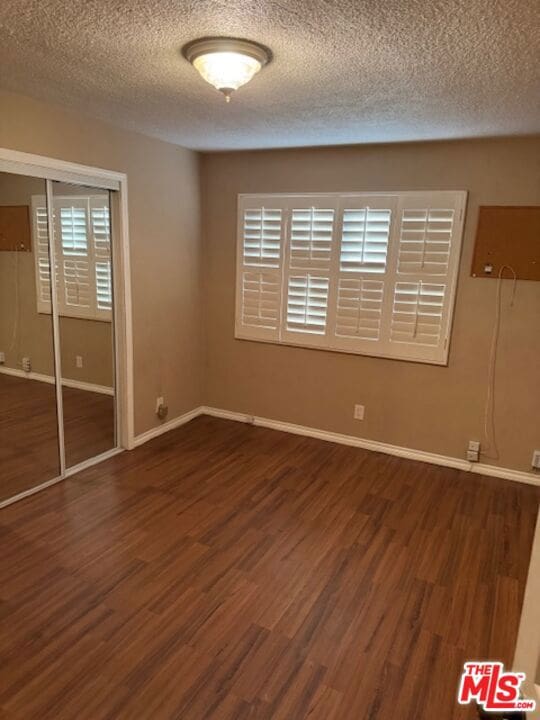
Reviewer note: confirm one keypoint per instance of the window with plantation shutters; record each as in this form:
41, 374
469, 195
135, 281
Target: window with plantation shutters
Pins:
83, 277
366, 273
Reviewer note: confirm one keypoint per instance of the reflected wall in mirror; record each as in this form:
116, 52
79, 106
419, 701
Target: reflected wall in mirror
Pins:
84, 292
29, 448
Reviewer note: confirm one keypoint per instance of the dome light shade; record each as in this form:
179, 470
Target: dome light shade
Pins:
226, 63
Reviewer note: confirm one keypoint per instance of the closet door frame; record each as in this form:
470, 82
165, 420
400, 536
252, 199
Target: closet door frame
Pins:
51, 169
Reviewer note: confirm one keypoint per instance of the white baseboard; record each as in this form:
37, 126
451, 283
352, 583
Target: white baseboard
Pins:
377, 446
66, 382
353, 441
90, 387
165, 427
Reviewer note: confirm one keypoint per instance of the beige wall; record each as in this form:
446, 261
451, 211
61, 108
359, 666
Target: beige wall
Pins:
26, 333
163, 186
431, 408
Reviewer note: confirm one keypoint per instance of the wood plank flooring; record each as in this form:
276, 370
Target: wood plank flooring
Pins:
224, 571
29, 435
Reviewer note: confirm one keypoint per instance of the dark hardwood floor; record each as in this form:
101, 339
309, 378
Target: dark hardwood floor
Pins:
224, 571
29, 434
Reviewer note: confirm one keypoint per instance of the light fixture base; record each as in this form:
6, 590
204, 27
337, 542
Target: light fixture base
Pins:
226, 63
203, 46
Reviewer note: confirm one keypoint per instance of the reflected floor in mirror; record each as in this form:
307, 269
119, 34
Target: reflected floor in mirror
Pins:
28, 431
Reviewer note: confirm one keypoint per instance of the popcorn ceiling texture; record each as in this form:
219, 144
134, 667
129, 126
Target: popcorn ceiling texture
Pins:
343, 72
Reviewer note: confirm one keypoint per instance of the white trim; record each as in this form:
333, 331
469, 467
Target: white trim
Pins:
90, 387
258, 196
55, 329
31, 491
170, 425
21, 163
74, 469
377, 446
66, 382
351, 440
531, 478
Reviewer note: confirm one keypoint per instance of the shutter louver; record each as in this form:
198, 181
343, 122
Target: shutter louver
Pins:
43, 271
359, 309
262, 237
311, 239
77, 288
417, 313
424, 243
75, 293
307, 303
73, 231
311, 242
260, 300
364, 242
101, 234
103, 285
259, 273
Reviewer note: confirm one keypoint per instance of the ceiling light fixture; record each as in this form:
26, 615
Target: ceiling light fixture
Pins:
226, 63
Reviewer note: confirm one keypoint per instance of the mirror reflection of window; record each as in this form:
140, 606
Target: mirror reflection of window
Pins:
84, 293
29, 444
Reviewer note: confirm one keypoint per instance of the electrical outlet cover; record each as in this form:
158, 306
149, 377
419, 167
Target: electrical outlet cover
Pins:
359, 411
536, 459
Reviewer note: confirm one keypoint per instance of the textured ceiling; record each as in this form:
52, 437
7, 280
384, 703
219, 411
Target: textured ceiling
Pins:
343, 72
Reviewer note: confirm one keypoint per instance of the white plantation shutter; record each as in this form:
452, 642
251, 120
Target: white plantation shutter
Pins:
40, 226
259, 271
101, 238
83, 262
366, 222
364, 273
72, 254
307, 271
422, 287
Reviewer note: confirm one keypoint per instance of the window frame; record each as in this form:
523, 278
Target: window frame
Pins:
384, 348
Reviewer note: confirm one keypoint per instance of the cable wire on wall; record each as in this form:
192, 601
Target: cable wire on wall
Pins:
490, 434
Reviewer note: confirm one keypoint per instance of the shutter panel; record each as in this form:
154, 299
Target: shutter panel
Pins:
101, 240
427, 246
83, 256
359, 309
311, 250
259, 271
425, 240
364, 241
41, 248
417, 313
366, 222
73, 250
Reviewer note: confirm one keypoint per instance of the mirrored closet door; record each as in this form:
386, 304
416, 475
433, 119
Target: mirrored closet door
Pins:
57, 335
29, 447
84, 301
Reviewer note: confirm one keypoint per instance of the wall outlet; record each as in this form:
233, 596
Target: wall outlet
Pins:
536, 460
359, 411
161, 409
2, 358
473, 451
78, 361
26, 364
